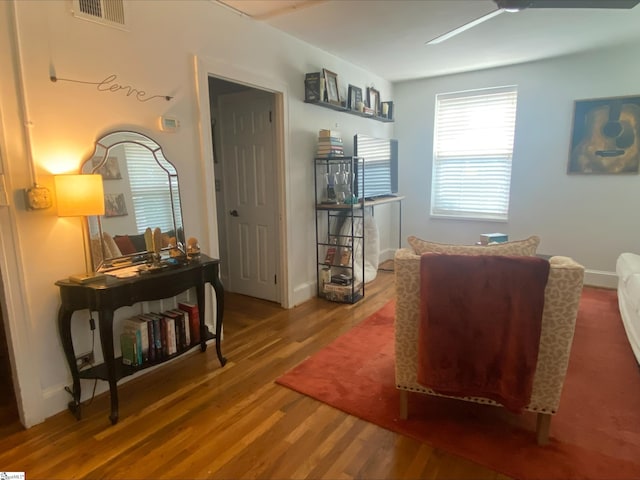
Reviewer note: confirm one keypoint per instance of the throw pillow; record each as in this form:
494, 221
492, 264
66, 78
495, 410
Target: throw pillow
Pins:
525, 247
125, 244
110, 246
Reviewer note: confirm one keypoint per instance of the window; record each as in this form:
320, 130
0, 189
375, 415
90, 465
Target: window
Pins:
150, 190
473, 148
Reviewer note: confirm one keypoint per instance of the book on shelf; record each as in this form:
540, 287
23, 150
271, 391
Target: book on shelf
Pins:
139, 327
130, 327
150, 333
129, 346
156, 321
184, 324
321, 147
180, 334
330, 141
172, 325
329, 154
169, 330
194, 320
326, 148
329, 133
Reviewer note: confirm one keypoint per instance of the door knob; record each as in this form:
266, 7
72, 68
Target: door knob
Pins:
234, 213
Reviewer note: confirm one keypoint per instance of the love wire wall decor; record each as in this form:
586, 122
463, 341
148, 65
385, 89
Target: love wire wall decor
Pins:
109, 84
606, 136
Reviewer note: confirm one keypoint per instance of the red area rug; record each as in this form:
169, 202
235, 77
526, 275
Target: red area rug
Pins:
595, 435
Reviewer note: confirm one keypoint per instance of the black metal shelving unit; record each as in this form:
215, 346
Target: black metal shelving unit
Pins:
339, 226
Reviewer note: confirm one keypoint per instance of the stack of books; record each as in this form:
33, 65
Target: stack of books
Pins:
329, 144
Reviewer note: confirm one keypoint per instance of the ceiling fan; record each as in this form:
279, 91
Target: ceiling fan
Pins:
519, 5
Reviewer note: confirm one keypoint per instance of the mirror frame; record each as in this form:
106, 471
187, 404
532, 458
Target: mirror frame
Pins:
102, 147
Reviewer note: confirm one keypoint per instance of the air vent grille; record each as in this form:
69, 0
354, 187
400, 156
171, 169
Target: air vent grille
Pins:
107, 12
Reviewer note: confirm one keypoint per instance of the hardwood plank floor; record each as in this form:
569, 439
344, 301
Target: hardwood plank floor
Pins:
194, 419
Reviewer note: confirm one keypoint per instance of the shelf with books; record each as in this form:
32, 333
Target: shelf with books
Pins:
340, 108
153, 337
101, 372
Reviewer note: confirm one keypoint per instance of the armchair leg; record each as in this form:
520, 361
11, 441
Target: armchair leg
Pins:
542, 430
404, 404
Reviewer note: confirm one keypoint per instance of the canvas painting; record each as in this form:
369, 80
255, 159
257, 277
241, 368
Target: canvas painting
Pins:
606, 136
114, 205
110, 170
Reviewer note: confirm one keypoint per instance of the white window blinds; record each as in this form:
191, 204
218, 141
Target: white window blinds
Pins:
473, 148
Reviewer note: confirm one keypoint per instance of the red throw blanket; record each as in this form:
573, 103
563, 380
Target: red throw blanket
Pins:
480, 325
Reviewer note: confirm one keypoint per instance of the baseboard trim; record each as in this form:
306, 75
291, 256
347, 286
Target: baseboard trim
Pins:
600, 278
302, 293
386, 254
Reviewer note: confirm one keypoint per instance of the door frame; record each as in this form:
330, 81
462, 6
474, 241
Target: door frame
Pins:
205, 68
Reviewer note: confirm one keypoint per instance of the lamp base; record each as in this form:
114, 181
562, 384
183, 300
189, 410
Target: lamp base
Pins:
86, 277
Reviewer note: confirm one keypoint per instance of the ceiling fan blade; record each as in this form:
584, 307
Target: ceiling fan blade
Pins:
466, 26
582, 3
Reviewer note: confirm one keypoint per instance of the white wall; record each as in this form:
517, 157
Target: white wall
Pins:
590, 218
154, 55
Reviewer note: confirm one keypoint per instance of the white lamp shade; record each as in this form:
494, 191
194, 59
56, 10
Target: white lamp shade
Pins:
79, 195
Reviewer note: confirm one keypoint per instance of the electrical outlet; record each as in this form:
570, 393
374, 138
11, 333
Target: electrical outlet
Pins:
84, 359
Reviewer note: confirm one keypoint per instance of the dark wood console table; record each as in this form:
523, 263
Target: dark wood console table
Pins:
110, 293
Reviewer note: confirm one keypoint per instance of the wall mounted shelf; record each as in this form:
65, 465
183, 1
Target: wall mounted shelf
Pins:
340, 108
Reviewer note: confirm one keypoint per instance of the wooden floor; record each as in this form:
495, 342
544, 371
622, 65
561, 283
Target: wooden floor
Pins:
193, 419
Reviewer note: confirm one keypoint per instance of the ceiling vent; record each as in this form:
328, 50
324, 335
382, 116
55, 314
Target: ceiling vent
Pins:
106, 12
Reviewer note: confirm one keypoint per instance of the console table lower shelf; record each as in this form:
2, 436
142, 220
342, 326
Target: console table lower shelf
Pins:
109, 294
101, 372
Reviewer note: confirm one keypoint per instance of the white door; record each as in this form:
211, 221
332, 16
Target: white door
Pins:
250, 192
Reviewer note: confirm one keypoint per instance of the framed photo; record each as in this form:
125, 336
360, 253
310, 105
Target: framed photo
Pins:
331, 82
386, 110
114, 205
373, 100
354, 97
110, 170
312, 87
605, 138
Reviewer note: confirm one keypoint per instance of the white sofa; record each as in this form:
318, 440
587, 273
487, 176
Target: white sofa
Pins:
628, 270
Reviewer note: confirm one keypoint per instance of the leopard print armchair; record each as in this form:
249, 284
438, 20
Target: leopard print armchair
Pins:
562, 295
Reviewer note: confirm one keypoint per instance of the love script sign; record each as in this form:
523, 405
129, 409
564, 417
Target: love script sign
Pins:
110, 84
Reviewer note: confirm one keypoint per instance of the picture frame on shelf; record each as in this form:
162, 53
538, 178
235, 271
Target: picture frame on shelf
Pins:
386, 110
354, 97
312, 87
373, 100
331, 83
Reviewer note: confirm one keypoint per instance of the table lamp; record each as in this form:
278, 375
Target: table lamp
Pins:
80, 196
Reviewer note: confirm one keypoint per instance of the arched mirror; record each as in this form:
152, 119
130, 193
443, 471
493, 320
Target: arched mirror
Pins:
141, 191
